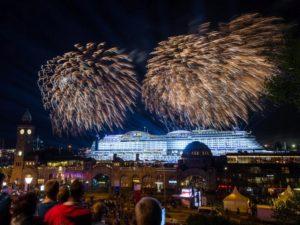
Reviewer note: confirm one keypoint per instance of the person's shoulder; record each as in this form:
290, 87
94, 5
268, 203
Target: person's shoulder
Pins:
53, 213
81, 211
55, 209
47, 204
4, 196
5, 200
40, 205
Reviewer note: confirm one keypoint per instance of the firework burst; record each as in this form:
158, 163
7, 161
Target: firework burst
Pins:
88, 88
212, 78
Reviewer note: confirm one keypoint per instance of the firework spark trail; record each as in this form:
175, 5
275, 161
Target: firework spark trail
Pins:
213, 78
88, 88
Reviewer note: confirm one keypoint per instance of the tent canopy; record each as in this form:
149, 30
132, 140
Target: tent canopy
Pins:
236, 196
236, 202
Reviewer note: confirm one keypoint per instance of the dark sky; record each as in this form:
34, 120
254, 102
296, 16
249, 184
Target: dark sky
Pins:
32, 32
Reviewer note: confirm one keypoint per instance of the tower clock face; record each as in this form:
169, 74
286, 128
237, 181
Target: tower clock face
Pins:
29, 131
22, 131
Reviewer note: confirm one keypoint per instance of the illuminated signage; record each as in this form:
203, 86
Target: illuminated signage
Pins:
186, 193
172, 181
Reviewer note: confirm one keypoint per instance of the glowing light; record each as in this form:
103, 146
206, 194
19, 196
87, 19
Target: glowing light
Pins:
186, 193
172, 181
170, 147
28, 179
22, 131
88, 88
212, 78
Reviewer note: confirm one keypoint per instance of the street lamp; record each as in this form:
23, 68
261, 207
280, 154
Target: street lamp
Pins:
28, 180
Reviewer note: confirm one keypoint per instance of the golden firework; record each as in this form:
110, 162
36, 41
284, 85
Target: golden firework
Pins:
88, 88
212, 78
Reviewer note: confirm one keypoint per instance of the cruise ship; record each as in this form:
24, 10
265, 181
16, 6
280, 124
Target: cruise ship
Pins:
138, 145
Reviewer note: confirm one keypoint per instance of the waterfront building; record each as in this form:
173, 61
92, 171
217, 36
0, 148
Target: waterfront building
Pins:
234, 159
262, 175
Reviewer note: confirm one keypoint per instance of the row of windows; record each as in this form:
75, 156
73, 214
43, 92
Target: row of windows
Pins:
263, 159
245, 144
30, 163
261, 180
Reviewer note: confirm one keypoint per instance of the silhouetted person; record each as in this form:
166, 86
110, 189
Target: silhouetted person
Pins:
148, 212
63, 194
98, 210
71, 212
51, 190
24, 209
4, 204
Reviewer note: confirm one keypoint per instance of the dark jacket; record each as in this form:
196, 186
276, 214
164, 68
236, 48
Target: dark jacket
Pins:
5, 202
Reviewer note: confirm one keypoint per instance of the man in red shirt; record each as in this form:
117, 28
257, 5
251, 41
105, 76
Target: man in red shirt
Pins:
70, 212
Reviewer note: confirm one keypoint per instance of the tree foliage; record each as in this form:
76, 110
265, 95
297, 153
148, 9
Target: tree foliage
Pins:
288, 212
285, 89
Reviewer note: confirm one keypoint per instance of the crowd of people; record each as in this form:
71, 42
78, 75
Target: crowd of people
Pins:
64, 205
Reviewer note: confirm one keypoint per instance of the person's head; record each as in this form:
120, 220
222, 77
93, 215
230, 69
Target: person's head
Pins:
25, 204
63, 194
2, 177
98, 210
51, 189
76, 190
148, 212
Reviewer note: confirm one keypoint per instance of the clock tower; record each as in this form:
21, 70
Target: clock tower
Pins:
25, 136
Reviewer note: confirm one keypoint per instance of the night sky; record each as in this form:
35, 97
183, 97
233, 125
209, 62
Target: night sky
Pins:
31, 32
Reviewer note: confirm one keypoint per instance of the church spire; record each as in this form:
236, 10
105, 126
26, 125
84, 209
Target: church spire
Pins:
26, 118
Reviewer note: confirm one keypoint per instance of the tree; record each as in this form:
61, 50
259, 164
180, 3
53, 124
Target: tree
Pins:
285, 88
288, 212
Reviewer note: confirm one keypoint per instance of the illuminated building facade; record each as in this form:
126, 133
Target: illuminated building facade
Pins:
206, 160
137, 145
260, 174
